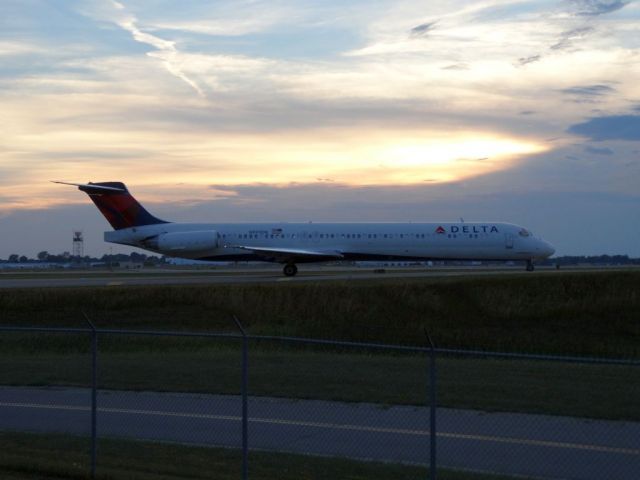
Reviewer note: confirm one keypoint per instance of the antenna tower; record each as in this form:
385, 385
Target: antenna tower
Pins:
78, 244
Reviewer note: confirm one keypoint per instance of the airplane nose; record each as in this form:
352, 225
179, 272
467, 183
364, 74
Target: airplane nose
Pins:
548, 249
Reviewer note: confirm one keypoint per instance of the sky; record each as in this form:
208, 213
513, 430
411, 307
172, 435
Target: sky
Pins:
297, 110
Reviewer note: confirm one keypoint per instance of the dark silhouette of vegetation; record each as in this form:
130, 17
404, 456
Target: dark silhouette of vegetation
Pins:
66, 258
576, 313
142, 258
592, 260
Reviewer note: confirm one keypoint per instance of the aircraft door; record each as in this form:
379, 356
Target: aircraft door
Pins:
508, 240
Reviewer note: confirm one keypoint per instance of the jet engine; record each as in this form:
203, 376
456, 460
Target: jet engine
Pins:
185, 241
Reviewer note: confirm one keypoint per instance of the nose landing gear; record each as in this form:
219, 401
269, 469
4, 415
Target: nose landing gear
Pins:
530, 267
290, 269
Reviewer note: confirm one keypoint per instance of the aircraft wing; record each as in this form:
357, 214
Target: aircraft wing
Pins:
290, 254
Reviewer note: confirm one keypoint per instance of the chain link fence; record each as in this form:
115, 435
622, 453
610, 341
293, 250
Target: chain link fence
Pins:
103, 403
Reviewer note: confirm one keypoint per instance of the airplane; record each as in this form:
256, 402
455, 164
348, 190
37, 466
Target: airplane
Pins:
294, 243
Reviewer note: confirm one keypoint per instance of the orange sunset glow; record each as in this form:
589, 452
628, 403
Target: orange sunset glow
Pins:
223, 104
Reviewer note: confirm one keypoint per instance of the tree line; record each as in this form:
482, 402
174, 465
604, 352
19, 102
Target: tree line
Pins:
150, 260
592, 260
66, 257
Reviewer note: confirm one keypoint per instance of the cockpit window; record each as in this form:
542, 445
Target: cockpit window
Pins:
525, 233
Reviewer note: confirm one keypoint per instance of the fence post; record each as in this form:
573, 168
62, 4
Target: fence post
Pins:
94, 395
433, 468
245, 399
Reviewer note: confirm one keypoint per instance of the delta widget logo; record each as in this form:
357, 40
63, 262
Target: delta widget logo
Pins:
468, 229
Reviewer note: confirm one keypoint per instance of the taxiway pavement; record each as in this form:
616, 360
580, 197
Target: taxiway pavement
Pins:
513, 444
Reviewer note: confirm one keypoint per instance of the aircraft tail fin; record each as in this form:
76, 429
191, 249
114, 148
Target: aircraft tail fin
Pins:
116, 204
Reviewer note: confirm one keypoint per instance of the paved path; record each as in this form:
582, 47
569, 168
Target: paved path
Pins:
516, 444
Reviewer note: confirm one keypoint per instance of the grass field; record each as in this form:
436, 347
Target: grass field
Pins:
594, 314
593, 391
49, 457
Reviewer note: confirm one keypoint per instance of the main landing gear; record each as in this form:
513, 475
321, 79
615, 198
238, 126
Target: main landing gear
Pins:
530, 266
290, 269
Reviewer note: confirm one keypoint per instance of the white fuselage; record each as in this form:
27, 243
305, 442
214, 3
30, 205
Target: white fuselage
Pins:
353, 241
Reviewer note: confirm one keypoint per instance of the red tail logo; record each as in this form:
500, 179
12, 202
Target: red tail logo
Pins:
118, 206
440, 230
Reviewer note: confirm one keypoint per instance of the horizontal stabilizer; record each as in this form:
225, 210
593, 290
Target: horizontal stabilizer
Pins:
92, 188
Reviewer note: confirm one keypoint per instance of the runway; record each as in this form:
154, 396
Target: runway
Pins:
266, 274
535, 446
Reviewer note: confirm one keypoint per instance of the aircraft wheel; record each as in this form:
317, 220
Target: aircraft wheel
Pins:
290, 270
530, 266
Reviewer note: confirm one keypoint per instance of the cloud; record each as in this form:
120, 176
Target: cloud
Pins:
114, 97
568, 37
589, 90
525, 60
229, 27
589, 8
166, 50
588, 93
613, 127
422, 30
598, 151
456, 66
19, 48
